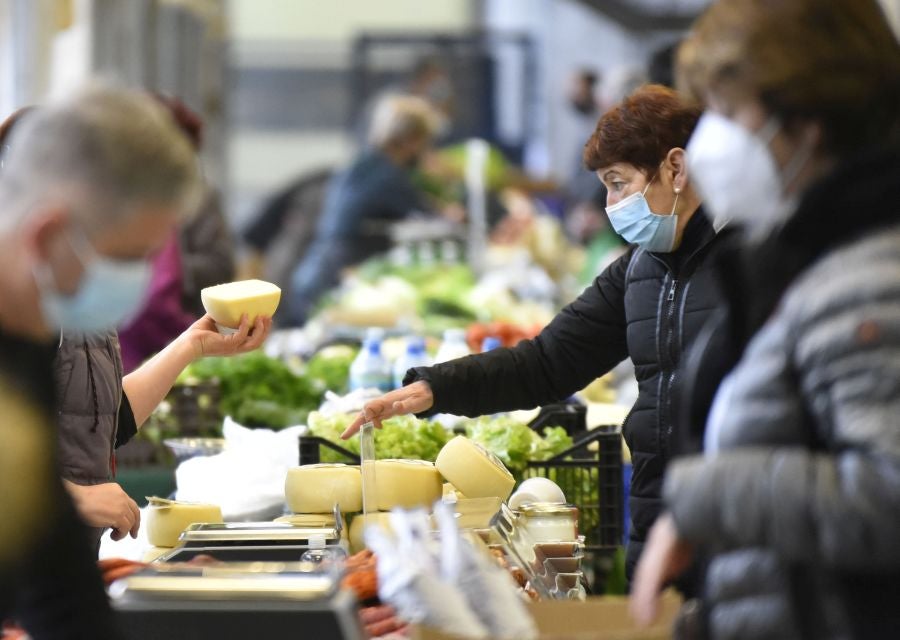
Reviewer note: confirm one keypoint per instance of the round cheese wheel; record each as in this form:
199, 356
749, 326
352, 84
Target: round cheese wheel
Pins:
407, 484
358, 525
165, 522
475, 472
315, 488
226, 303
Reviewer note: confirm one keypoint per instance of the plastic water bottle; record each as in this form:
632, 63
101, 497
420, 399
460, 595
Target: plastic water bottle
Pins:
370, 370
414, 356
453, 346
490, 343
318, 552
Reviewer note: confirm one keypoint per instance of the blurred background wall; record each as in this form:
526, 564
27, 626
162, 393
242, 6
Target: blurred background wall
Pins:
283, 85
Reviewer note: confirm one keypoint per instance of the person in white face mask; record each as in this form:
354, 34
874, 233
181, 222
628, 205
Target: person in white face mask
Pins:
797, 498
649, 305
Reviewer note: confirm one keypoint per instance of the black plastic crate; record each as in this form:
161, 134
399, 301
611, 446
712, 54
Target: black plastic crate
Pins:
592, 483
310, 450
570, 416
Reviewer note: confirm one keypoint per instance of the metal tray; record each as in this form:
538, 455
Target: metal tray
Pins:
244, 553
254, 533
213, 584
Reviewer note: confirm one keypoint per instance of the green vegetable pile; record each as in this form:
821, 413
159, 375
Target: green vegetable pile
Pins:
440, 289
257, 390
404, 437
515, 443
330, 367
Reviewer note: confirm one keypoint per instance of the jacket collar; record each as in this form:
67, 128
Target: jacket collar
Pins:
858, 197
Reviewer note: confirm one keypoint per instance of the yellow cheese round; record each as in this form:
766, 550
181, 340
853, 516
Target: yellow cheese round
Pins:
315, 488
165, 522
358, 525
475, 472
407, 484
227, 302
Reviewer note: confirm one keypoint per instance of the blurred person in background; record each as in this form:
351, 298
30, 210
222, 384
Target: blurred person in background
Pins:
90, 188
581, 97
648, 305
798, 495
99, 410
585, 219
364, 199
661, 68
429, 80
199, 254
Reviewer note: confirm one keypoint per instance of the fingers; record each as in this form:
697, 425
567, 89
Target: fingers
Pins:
249, 338
644, 601
413, 398
136, 514
258, 335
243, 331
353, 427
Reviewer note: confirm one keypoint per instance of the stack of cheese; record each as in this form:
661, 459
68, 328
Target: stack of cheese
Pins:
406, 484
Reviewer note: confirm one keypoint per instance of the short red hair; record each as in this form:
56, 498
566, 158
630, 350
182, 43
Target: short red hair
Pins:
642, 129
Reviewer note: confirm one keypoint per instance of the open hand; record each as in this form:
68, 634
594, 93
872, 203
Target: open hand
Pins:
106, 505
413, 398
665, 557
207, 341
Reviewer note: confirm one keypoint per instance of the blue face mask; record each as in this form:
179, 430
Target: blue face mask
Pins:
110, 293
632, 219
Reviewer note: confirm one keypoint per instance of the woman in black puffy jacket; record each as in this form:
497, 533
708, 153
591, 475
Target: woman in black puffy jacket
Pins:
648, 305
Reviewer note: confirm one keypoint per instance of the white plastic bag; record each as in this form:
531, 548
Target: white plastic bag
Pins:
247, 479
409, 579
489, 590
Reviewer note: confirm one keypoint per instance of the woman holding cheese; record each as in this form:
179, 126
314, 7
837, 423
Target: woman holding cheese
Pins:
100, 408
649, 305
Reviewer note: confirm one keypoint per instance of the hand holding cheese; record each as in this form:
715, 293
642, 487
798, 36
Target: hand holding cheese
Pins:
229, 303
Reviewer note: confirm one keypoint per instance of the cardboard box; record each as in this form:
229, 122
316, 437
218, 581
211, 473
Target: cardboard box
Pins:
602, 618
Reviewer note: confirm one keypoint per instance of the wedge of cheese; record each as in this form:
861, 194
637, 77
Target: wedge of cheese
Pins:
474, 471
316, 488
407, 484
166, 519
226, 303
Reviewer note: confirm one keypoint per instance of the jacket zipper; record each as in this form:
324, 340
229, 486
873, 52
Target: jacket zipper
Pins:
667, 362
667, 369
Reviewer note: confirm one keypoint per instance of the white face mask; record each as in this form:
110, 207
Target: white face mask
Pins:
737, 176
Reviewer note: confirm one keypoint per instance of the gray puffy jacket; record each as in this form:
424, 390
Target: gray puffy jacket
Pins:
801, 490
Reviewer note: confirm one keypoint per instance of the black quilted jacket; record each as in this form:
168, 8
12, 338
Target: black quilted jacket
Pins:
648, 306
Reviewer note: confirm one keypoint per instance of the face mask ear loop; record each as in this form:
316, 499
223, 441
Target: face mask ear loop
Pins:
644, 192
796, 163
82, 247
